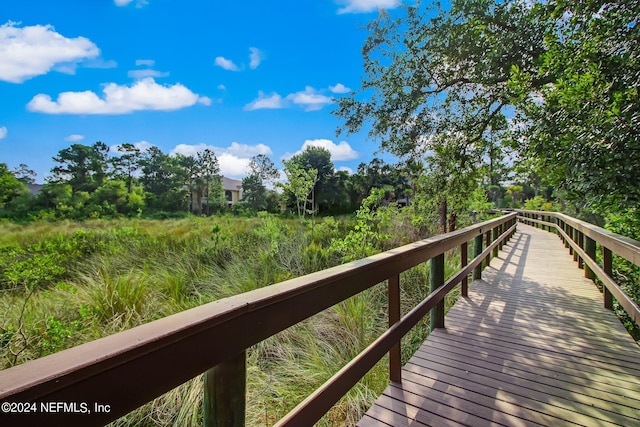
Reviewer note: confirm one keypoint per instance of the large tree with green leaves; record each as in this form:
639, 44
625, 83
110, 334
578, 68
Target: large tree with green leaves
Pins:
564, 75
10, 186
254, 191
208, 179
300, 183
82, 166
163, 179
318, 159
126, 164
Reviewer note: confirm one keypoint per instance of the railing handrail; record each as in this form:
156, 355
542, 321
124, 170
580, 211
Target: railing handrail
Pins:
130, 368
581, 238
623, 246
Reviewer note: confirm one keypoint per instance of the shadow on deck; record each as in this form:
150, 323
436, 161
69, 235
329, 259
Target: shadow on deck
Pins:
531, 345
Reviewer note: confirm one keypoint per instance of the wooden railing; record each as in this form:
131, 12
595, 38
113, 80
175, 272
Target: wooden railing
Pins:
116, 374
582, 239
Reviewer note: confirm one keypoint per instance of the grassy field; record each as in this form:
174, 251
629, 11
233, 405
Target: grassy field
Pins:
66, 283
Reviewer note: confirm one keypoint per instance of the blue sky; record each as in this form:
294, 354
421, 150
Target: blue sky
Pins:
241, 77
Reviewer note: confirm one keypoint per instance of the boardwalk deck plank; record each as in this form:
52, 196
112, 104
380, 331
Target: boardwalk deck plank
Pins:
531, 345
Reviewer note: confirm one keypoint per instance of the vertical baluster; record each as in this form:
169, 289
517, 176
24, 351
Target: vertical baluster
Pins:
581, 244
225, 393
464, 255
590, 249
395, 364
437, 280
477, 250
607, 265
487, 242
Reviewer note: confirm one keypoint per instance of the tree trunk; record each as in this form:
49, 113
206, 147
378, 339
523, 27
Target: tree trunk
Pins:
443, 216
453, 220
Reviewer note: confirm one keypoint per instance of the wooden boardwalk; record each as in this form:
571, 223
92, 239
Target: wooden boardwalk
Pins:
532, 345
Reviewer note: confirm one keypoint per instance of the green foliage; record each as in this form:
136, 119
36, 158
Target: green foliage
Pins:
58, 333
82, 167
538, 203
369, 230
556, 81
301, 182
122, 273
10, 186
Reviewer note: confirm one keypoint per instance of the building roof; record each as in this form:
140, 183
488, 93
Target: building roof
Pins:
35, 188
231, 184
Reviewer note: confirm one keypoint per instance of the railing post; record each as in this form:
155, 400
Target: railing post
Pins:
437, 280
477, 250
581, 244
590, 249
487, 241
225, 393
395, 363
607, 264
464, 259
496, 234
576, 238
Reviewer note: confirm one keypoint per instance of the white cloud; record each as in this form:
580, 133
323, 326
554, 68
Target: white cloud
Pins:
234, 159
365, 6
144, 94
341, 151
100, 63
140, 145
263, 101
245, 150
3, 132
222, 87
232, 166
139, 3
310, 99
226, 64
339, 88
205, 100
346, 169
146, 72
145, 62
32, 51
143, 145
255, 57
142, 74
74, 137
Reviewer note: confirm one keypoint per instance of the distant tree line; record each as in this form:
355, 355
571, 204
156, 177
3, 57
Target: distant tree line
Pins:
92, 181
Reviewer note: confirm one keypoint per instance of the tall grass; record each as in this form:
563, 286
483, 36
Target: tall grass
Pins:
118, 274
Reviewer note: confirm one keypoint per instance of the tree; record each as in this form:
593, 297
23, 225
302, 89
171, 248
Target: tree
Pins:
208, 178
254, 191
127, 163
262, 166
188, 173
585, 130
164, 180
318, 159
24, 174
114, 197
300, 184
82, 166
564, 75
10, 186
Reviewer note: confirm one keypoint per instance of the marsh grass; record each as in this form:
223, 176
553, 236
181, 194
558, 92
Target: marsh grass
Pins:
122, 273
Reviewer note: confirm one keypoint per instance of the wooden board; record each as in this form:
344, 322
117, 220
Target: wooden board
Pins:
531, 345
